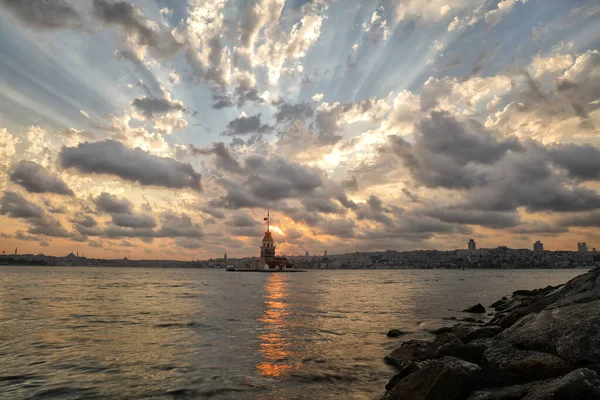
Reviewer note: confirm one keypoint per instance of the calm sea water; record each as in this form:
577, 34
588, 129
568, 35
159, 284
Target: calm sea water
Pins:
175, 333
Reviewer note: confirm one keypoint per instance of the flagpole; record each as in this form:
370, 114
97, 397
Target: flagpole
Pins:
268, 221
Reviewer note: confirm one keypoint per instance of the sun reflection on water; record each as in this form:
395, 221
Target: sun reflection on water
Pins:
274, 344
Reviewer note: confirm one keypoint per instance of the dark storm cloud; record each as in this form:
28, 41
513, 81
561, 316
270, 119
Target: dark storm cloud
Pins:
527, 180
35, 179
178, 225
213, 212
44, 14
48, 226
373, 210
446, 153
16, 206
121, 13
488, 219
133, 220
242, 220
132, 20
290, 112
224, 160
20, 235
112, 204
414, 227
323, 205
242, 94
151, 106
588, 220
344, 228
136, 165
244, 125
539, 227
580, 161
84, 220
173, 225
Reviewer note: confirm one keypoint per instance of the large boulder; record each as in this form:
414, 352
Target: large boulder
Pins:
409, 351
581, 384
506, 365
507, 319
445, 379
488, 331
581, 289
461, 331
571, 332
448, 345
444, 345
515, 392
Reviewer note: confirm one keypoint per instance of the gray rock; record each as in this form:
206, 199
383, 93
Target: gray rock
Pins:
571, 332
412, 350
581, 384
445, 379
507, 365
484, 332
448, 345
515, 392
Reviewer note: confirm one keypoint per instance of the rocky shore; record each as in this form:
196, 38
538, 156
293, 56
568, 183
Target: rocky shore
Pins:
541, 344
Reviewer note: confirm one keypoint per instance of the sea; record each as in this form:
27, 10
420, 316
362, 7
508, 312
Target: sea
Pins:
145, 333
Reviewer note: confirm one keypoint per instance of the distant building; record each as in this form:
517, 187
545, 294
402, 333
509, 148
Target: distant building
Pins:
306, 254
582, 247
472, 245
225, 259
538, 248
325, 254
15, 251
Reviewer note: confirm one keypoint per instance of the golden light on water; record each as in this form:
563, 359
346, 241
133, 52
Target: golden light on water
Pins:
274, 346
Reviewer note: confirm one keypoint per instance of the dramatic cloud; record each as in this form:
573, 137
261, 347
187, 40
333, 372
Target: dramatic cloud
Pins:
134, 220
15, 205
267, 179
44, 14
136, 165
448, 154
244, 125
580, 162
132, 21
360, 126
151, 106
112, 204
290, 112
35, 179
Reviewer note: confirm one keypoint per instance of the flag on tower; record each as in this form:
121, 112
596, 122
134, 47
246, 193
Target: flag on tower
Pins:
265, 218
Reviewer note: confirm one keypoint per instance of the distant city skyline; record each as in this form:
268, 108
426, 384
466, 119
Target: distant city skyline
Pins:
471, 245
167, 129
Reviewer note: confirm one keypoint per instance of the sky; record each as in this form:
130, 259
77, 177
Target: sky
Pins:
165, 129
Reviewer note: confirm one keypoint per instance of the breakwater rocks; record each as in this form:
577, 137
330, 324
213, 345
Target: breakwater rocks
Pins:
540, 344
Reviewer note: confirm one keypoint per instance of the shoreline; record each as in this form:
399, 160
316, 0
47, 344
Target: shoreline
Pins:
539, 344
582, 268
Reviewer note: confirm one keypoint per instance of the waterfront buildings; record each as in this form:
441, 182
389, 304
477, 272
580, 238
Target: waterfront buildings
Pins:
582, 247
